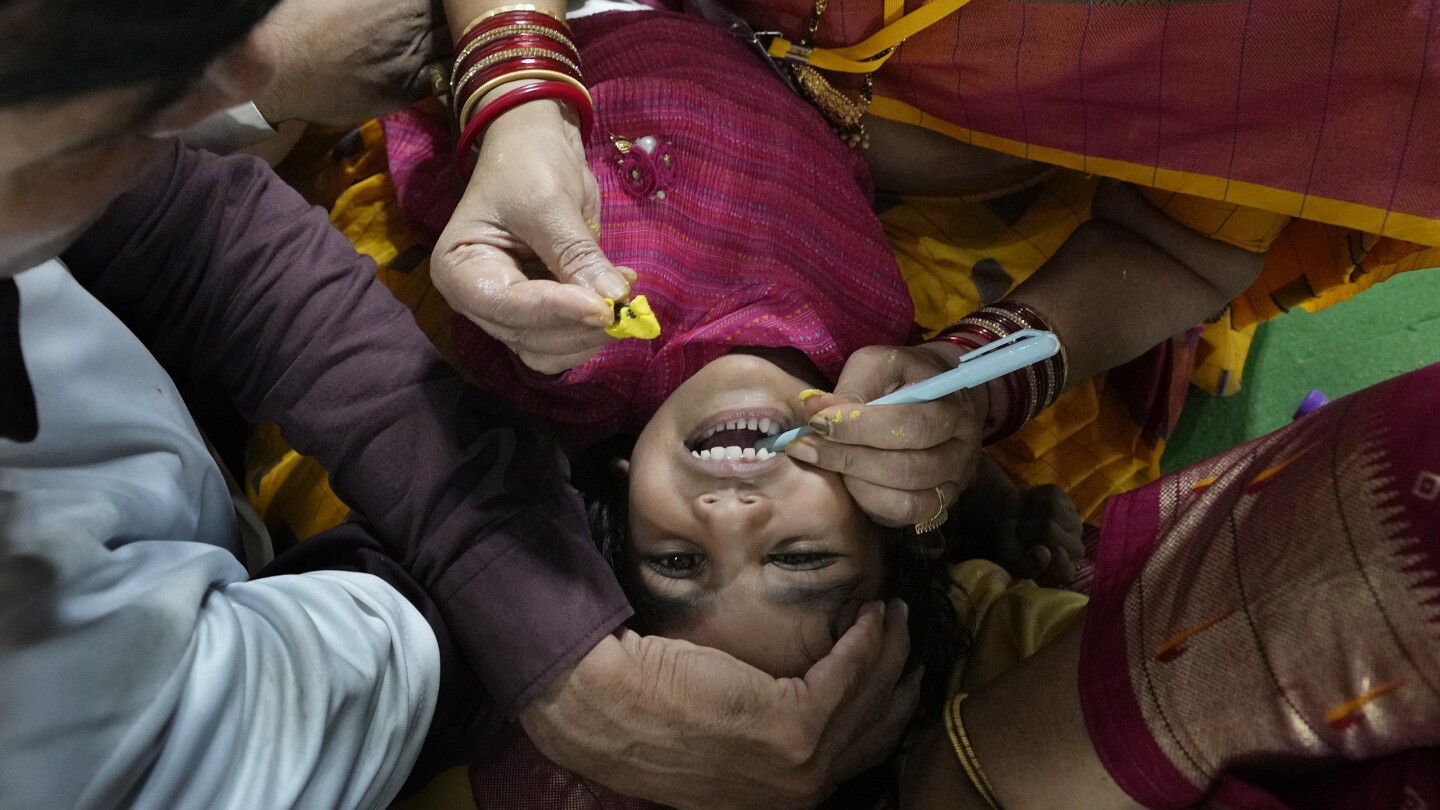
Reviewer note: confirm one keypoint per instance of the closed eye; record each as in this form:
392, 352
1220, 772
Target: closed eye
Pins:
803, 560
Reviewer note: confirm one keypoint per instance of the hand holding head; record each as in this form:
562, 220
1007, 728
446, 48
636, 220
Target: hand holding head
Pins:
691, 727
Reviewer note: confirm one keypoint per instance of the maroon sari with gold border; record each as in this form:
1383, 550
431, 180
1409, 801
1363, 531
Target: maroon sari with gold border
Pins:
1277, 609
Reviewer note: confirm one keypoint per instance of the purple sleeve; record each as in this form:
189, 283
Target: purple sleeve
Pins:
228, 275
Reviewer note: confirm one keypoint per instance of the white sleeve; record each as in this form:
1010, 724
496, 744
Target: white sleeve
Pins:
154, 676
230, 130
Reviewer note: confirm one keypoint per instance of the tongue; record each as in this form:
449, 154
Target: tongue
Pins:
731, 438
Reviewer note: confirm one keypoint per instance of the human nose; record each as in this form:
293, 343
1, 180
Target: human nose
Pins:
734, 508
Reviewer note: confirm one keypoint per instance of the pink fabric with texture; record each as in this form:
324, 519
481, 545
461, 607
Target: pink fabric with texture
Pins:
757, 232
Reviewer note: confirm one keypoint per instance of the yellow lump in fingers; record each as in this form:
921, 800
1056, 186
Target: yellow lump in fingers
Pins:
633, 319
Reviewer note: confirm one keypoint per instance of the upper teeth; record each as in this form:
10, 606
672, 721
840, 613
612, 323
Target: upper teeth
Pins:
732, 452
763, 425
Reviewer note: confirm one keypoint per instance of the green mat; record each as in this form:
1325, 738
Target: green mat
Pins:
1388, 330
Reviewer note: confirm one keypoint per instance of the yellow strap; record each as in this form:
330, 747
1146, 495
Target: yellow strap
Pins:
864, 57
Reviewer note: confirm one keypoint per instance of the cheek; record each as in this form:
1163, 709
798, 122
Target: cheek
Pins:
653, 493
43, 208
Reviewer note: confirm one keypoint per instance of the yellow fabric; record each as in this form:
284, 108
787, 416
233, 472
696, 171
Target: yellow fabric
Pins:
290, 492
868, 55
449, 790
1010, 619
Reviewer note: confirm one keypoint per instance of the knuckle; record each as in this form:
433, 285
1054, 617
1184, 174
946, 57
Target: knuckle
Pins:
579, 259
871, 355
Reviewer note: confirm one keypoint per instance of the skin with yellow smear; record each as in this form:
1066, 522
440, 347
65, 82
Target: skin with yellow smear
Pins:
812, 392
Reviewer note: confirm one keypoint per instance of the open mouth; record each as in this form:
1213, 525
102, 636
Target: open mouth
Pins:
732, 437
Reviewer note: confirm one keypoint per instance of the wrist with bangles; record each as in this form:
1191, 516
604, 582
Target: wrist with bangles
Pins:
506, 57
1028, 391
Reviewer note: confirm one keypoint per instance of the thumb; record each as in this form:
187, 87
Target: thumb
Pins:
567, 246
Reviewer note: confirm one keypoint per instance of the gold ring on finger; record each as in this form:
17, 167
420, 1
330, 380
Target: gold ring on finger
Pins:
926, 526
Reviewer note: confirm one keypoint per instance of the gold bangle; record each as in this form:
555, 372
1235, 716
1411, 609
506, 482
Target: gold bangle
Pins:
965, 752
504, 56
512, 30
497, 11
520, 75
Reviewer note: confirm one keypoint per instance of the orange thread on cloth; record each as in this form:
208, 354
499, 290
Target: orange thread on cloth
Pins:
1174, 646
1259, 481
1344, 715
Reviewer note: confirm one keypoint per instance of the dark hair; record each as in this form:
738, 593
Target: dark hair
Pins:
60, 48
938, 640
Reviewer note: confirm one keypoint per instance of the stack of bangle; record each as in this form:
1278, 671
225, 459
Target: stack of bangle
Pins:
1031, 389
513, 44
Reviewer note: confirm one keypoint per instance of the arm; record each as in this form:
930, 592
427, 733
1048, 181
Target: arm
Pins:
1129, 259
153, 675
1028, 731
227, 274
531, 188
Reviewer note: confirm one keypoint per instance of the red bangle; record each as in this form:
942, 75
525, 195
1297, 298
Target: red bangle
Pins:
970, 336
539, 18
514, 98
511, 66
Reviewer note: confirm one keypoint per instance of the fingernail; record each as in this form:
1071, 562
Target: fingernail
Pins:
612, 285
629, 274
904, 608
802, 451
812, 392
820, 425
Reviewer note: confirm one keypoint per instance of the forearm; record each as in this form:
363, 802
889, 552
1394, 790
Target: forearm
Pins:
465, 720
1130, 278
227, 274
1124, 281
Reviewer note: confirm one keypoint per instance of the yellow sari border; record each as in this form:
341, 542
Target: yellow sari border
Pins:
1406, 227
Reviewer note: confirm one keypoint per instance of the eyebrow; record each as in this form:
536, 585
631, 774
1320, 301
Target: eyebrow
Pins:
829, 597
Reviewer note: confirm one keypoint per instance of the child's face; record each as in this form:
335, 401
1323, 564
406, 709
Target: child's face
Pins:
765, 559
